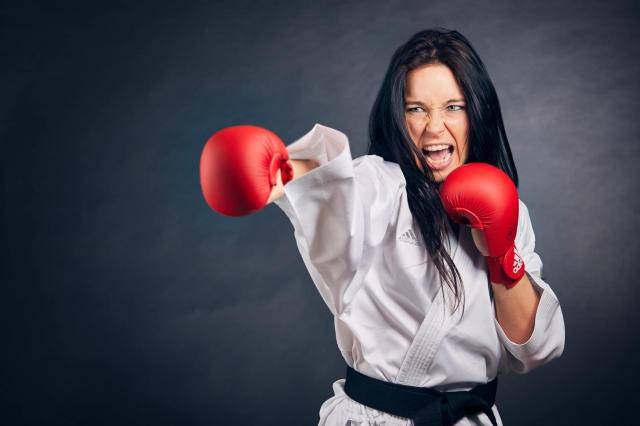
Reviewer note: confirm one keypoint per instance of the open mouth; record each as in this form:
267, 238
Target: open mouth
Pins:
438, 156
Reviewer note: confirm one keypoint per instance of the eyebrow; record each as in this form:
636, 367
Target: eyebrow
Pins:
446, 102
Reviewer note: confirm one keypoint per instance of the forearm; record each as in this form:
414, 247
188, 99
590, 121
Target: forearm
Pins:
300, 167
516, 309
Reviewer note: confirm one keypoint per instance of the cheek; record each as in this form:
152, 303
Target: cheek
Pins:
411, 127
414, 132
464, 155
460, 134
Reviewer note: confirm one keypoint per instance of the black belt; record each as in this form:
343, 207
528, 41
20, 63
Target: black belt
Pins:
425, 406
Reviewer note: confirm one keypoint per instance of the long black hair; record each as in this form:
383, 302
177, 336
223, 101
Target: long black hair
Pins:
390, 139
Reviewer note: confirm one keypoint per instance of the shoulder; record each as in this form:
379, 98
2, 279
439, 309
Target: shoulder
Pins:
378, 169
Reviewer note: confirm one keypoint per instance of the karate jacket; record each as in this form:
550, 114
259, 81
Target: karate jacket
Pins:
364, 253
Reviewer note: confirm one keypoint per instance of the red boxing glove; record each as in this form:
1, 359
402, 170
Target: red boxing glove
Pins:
238, 169
484, 197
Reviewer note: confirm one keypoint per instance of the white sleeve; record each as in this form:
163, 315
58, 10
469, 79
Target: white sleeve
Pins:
547, 339
340, 212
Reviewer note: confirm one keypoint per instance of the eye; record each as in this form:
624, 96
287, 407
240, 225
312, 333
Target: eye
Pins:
413, 109
456, 107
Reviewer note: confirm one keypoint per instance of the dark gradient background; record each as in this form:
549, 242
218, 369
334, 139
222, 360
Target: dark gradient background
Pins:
127, 301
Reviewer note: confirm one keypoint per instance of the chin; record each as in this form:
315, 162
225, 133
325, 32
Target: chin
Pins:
440, 175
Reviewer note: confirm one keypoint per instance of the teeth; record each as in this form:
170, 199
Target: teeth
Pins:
446, 158
435, 147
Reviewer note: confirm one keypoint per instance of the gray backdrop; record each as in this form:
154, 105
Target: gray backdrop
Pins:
128, 301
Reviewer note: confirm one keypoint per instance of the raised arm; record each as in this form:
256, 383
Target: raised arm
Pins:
546, 340
340, 209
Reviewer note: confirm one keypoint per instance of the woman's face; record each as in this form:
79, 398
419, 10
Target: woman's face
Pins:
436, 117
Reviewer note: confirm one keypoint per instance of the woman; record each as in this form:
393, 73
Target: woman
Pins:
424, 329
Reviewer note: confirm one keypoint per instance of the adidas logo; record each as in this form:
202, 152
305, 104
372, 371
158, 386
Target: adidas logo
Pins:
517, 261
409, 237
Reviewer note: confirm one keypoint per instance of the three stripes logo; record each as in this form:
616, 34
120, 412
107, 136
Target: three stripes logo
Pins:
410, 237
517, 261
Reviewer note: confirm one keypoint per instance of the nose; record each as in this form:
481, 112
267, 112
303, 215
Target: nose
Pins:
435, 122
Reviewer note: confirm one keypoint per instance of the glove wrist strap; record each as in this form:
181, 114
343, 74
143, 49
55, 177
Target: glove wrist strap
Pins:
507, 269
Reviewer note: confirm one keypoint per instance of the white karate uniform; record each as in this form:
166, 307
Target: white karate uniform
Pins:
364, 252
